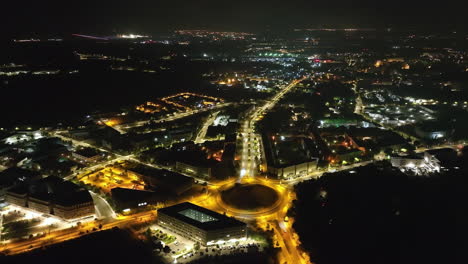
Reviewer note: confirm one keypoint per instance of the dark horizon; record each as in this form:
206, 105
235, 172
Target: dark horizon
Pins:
56, 17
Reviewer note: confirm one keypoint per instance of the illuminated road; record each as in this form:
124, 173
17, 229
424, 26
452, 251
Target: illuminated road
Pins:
271, 217
77, 142
67, 234
173, 117
130, 157
251, 153
200, 138
250, 146
455, 146
251, 156
214, 201
103, 208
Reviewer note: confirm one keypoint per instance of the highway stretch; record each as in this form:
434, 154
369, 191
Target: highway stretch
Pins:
17, 247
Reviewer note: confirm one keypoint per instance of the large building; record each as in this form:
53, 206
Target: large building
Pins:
292, 171
169, 181
416, 162
87, 156
200, 171
53, 195
433, 130
372, 139
201, 225
15, 176
289, 156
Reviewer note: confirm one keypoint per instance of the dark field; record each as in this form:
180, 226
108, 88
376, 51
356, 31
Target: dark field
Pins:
249, 197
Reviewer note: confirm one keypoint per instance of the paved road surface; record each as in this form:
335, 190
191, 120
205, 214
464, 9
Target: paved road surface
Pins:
103, 209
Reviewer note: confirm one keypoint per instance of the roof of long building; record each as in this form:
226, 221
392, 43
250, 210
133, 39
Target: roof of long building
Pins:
200, 217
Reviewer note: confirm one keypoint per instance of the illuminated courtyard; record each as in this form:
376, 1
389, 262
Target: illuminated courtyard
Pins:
113, 177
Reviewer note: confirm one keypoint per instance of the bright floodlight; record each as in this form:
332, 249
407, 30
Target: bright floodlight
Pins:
243, 172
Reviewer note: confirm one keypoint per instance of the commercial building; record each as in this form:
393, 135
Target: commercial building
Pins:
200, 224
53, 195
416, 162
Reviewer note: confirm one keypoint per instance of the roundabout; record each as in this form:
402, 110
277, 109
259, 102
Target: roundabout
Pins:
249, 197
252, 199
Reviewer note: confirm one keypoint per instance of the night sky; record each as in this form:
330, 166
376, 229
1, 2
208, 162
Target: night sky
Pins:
53, 16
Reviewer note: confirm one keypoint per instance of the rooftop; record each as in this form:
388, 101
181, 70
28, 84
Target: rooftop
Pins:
87, 152
200, 217
56, 190
162, 175
15, 175
287, 150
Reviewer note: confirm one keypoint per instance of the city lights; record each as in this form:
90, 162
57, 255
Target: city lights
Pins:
272, 144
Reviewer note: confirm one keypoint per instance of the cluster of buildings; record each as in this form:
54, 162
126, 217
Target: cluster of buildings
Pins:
212, 159
53, 196
213, 35
39, 152
179, 102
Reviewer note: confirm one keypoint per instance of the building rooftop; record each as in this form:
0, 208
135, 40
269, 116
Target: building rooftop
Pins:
87, 152
162, 175
15, 175
197, 158
200, 217
127, 198
416, 156
165, 180
286, 150
56, 190
373, 137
